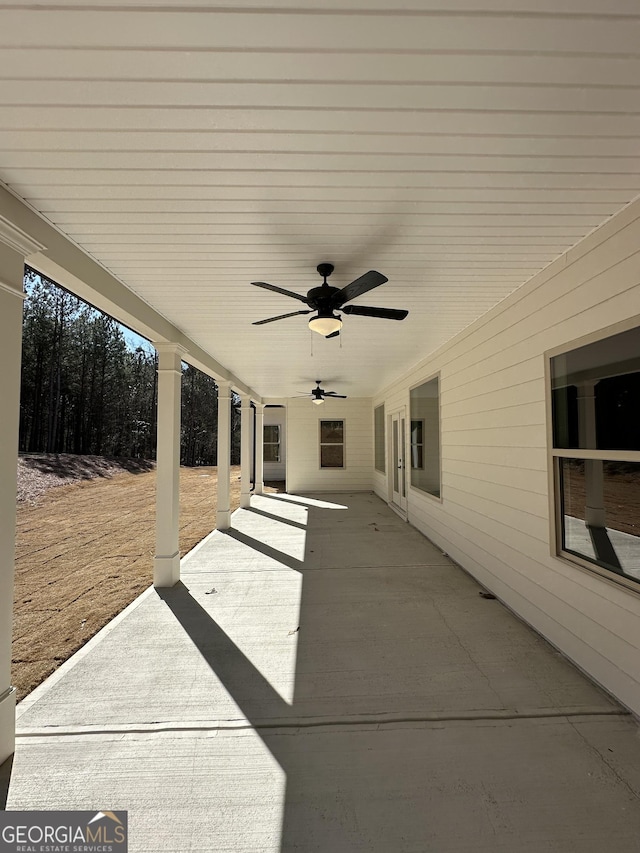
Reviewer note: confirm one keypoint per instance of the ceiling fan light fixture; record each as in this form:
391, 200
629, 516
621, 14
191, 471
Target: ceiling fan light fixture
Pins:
325, 324
318, 401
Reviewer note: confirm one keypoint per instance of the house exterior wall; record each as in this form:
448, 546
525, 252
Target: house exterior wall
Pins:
303, 428
494, 517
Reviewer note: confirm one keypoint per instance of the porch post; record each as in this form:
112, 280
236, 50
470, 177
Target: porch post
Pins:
593, 468
14, 247
259, 463
245, 451
594, 513
166, 566
223, 514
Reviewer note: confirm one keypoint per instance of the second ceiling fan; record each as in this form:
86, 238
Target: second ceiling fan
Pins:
318, 394
326, 300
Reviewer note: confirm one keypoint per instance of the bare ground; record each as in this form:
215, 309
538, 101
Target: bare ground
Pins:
621, 495
84, 549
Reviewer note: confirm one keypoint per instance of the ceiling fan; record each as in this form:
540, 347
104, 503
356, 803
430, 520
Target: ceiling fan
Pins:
327, 299
318, 394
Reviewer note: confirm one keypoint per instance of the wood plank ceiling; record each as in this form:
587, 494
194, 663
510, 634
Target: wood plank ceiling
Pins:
458, 147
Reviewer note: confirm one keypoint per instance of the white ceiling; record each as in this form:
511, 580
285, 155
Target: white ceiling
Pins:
456, 146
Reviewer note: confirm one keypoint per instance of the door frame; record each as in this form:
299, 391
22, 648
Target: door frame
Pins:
397, 454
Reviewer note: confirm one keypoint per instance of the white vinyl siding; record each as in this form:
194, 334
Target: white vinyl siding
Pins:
495, 517
303, 471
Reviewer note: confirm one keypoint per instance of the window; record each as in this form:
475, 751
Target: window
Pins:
595, 407
425, 437
332, 444
379, 438
272, 443
417, 444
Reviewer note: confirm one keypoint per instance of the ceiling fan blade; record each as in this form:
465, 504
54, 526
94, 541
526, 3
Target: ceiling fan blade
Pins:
383, 313
280, 290
333, 394
280, 317
361, 285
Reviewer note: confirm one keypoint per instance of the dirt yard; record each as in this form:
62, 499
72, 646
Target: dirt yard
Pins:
84, 550
620, 494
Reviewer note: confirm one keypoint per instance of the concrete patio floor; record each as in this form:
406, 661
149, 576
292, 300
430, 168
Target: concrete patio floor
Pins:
324, 679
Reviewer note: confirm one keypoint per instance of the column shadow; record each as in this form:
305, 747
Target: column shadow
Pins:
263, 548
261, 704
323, 740
274, 517
5, 780
381, 745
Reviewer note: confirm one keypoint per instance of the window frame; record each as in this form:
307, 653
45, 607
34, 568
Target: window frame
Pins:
342, 444
277, 444
555, 455
411, 486
416, 444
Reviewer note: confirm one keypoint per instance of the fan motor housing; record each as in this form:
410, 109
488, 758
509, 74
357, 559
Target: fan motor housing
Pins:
321, 297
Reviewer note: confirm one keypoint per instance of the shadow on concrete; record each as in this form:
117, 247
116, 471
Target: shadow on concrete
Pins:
353, 663
308, 502
263, 548
603, 547
403, 714
343, 793
278, 518
257, 698
384, 745
5, 780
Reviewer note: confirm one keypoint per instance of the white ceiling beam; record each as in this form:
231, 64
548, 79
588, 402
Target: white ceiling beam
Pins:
382, 97
189, 28
178, 117
170, 65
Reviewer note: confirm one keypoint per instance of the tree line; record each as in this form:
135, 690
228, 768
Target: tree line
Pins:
84, 389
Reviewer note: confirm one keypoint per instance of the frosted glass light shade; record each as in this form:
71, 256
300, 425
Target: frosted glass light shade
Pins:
325, 325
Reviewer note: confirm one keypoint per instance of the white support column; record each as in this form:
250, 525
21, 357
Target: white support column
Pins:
15, 245
259, 463
166, 567
223, 514
245, 451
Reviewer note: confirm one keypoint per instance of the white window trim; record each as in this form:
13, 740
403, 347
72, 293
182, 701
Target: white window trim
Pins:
410, 487
322, 444
272, 444
554, 455
413, 444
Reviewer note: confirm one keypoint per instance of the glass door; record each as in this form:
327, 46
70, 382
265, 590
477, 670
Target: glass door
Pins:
398, 444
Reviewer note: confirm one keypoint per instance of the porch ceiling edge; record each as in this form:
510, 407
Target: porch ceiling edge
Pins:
66, 263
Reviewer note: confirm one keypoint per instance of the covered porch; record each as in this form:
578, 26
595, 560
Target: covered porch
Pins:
324, 678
